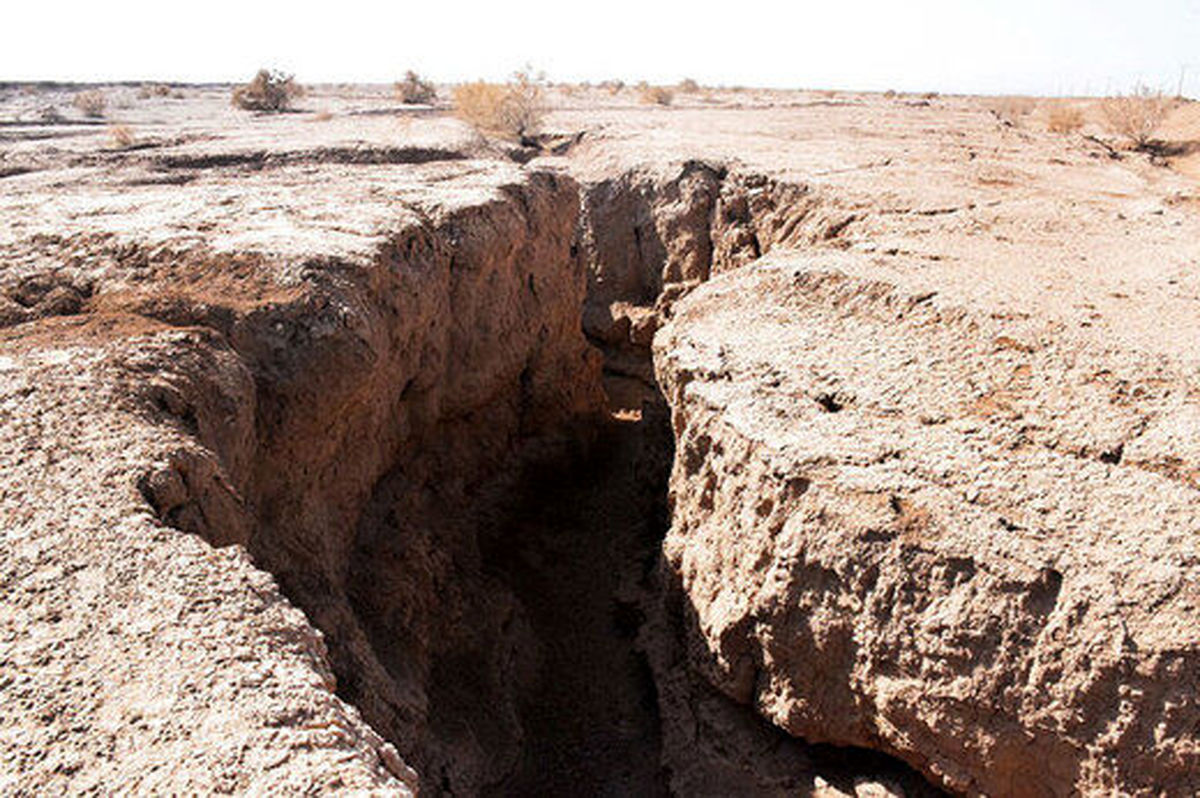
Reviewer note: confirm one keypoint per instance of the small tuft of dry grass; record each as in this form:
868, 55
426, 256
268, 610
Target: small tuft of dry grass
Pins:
1064, 119
512, 110
655, 95
414, 90
91, 103
121, 136
1011, 110
1136, 116
322, 116
271, 91
149, 90
613, 86
688, 86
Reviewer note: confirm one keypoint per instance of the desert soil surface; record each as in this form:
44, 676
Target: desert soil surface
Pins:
763, 443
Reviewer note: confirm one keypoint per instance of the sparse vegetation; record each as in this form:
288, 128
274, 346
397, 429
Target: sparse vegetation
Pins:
688, 86
613, 86
1136, 116
513, 110
1011, 110
414, 90
655, 95
121, 136
91, 103
270, 91
149, 90
1064, 119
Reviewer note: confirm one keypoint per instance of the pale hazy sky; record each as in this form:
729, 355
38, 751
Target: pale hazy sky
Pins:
987, 46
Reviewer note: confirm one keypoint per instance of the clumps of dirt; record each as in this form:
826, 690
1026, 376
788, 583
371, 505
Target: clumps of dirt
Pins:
40, 295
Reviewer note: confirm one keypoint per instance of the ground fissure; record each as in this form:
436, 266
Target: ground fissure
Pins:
497, 609
601, 473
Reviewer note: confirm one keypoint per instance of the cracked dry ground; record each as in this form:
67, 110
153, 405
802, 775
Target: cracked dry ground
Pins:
779, 446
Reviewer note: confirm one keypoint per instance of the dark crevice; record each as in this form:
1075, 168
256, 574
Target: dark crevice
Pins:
574, 547
260, 159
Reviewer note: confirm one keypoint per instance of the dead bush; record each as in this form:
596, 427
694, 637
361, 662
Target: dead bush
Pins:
121, 136
688, 86
656, 95
413, 90
513, 110
1064, 119
270, 91
613, 86
149, 90
1136, 116
91, 103
1012, 109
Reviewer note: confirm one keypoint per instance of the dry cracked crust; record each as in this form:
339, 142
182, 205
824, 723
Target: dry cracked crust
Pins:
935, 486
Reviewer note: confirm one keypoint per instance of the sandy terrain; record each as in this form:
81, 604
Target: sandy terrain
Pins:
309, 481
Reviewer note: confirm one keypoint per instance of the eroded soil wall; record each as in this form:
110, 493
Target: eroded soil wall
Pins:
435, 476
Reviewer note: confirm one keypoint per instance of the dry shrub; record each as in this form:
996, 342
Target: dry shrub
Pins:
122, 136
613, 86
1064, 119
270, 90
656, 95
688, 86
413, 90
513, 110
91, 103
890, 94
1136, 116
1012, 109
149, 90
480, 104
